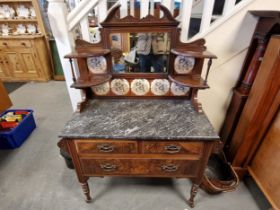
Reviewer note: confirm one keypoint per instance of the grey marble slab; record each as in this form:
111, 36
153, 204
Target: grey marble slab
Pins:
139, 119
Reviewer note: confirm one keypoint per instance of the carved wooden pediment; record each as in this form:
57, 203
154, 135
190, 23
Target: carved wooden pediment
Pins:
113, 19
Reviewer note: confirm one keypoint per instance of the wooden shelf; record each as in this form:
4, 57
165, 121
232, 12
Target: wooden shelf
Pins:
88, 54
14, 1
19, 20
22, 36
184, 52
92, 81
193, 81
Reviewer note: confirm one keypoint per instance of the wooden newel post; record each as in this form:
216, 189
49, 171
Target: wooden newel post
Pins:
57, 13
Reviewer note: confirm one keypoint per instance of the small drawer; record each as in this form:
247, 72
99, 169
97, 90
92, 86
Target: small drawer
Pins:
15, 43
105, 147
172, 147
140, 167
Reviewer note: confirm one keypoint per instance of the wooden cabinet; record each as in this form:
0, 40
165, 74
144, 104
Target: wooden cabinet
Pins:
5, 101
265, 166
255, 143
24, 57
23, 60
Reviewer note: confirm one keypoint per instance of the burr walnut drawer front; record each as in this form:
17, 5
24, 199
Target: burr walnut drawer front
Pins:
172, 147
105, 147
140, 167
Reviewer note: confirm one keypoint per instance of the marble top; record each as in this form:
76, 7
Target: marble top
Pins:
139, 119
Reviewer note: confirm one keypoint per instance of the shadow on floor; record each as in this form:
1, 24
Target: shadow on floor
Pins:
12, 86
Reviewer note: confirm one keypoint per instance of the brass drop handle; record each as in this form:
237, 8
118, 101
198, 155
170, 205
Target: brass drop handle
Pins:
23, 44
169, 168
108, 167
5, 43
105, 147
172, 148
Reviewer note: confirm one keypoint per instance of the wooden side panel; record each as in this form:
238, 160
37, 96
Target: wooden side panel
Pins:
252, 123
5, 101
265, 166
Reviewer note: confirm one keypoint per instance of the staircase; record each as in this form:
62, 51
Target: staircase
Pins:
198, 19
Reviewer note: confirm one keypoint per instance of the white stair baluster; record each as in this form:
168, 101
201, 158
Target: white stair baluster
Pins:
102, 10
123, 9
208, 6
84, 26
144, 8
132, 8
185, 19
79, 12
229, 4
152, 7
169, 4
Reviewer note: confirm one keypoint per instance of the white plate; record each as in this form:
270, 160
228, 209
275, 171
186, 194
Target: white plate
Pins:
183, 64
160, 87
97, 65
179, 90
102, 89
120, 86
140, 86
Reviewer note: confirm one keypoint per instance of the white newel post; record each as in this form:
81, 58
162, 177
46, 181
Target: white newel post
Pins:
57, 12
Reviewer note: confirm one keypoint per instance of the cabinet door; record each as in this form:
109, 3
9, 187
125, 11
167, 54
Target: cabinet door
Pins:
21, 63
4, 69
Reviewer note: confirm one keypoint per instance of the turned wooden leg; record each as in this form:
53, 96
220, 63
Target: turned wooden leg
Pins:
193, 194
86, 191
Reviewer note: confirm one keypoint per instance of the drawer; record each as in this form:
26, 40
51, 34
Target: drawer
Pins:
15, 43
105, 147
140, 167
172, 147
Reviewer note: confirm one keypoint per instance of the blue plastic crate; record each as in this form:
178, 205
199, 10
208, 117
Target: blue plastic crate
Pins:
15, 138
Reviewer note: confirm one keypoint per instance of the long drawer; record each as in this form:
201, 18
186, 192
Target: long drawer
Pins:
105, 147
172, 147
139, 167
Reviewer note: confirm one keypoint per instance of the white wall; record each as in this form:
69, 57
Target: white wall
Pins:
230, 43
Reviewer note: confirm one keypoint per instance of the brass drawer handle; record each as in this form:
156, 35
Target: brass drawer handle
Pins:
105, 147
172, 148
169, 168
108, 167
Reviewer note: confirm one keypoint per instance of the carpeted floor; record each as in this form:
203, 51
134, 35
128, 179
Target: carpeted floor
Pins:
35, 177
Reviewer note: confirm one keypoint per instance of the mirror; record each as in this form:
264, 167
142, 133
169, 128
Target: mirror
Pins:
140, 52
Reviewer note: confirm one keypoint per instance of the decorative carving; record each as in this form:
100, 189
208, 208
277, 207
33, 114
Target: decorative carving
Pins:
113, 19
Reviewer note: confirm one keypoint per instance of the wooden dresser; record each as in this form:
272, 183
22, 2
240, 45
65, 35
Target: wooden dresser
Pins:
140, 138
140, 116
24, 55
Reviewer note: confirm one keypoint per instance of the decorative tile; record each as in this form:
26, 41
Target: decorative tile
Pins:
102, 89
140, 86
97, 65
120, 86
183, 64
160, 87
179, 90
